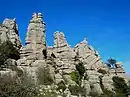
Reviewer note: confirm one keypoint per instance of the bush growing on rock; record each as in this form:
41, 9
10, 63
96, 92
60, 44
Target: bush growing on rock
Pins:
7, 50
120, 86
19, 88
75, 76
81, 69
111, 62
79, 73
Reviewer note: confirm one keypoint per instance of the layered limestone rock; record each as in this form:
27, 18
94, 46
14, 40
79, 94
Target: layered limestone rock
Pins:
9, 32
94, 81
117, 71
64, 58
3, 33
60, 59
35, 39
33, 54
10, 72
88, 55
108, 82
61, 48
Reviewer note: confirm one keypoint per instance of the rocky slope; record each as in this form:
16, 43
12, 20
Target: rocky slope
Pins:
80, 66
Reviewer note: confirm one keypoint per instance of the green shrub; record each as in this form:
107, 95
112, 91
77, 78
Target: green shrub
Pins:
81, 69
75, 76
19, 88
7, 50
79, 73
111, 62
120, 86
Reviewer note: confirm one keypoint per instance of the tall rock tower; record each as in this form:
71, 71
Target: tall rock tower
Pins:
35, 38
9, 32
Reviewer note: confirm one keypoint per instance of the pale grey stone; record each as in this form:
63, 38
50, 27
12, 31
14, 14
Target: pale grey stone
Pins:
12, 32
61, 63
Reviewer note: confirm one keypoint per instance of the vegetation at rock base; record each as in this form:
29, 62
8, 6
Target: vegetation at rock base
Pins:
75, 76
120, 87
76, 90
44, 77
79, 73
24, 87
49, 94
7, 50
21, 87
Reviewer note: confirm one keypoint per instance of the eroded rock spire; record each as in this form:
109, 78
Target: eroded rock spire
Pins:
35, 38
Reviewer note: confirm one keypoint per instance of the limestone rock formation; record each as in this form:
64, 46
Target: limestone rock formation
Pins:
61, 48
35, 38
3, 33
10, 72
60, 60
88, 55
9, 32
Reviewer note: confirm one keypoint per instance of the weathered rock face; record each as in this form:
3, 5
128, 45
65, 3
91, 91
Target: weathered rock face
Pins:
60, 59
61, 48
35, 38
3, 33
107, 82
88, 55
36, 32
9, 31
10, 72
92, 82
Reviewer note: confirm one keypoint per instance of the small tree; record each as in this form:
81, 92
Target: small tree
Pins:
111, 62
81, 69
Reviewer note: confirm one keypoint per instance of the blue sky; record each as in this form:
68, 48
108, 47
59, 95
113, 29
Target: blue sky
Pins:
105, 23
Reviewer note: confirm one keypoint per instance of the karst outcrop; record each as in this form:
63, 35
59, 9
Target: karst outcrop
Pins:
61, 60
